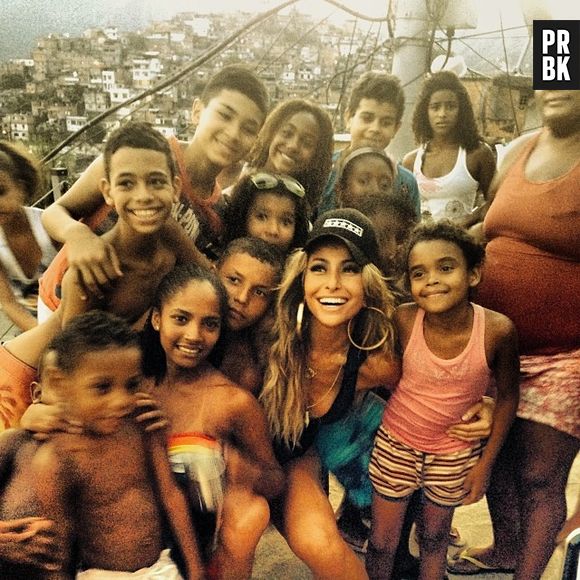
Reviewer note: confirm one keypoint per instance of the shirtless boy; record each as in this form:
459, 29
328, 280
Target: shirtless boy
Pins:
109, 488
141, 186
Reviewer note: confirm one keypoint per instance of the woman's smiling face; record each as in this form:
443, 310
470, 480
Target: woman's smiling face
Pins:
333, 286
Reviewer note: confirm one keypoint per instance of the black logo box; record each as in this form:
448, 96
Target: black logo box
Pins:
551, 62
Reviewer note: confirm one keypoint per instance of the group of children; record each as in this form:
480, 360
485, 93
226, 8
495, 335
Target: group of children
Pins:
155, 342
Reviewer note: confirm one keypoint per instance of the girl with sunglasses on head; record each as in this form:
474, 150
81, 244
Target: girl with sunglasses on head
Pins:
268, 206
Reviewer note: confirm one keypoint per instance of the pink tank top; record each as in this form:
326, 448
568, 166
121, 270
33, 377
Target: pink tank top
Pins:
434, 393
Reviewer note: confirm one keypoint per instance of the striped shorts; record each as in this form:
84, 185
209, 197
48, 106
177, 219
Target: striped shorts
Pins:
397, 470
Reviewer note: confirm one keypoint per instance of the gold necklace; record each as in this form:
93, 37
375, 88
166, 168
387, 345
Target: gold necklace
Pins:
310, 374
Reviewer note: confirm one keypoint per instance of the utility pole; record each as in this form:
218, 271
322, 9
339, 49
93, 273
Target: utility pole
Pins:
413, 31
409, 64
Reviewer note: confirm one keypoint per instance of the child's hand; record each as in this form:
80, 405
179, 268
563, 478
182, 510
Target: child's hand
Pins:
476, 483
43, 420
30, 541
477, 422
148, 413
94, 262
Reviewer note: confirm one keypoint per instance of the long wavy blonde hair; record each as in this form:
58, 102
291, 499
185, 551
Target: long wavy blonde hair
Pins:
284, 396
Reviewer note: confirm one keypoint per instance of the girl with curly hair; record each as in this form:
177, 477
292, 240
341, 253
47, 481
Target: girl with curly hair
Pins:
268, 206
297, 139
453, 165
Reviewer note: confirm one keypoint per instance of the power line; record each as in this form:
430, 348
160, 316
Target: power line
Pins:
172, 79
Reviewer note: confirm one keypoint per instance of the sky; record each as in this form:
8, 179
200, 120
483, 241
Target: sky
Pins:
22, 21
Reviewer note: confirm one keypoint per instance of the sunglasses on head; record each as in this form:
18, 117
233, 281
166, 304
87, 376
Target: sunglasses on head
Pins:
264, 181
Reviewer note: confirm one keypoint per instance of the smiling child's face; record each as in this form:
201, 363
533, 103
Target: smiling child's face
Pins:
272, 218
189, 324
140, 188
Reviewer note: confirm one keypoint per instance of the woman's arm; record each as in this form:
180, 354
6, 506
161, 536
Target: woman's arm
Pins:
251, 435
11, 307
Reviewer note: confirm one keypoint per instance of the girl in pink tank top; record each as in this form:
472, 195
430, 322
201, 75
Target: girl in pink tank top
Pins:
453, 351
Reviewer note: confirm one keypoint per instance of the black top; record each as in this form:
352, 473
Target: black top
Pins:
342, 403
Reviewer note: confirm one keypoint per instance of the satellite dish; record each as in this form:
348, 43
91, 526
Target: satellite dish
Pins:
455, 64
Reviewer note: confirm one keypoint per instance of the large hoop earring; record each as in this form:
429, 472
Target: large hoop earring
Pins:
299, 319
373, 346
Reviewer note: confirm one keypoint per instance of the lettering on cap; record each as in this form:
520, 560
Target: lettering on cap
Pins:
343, 224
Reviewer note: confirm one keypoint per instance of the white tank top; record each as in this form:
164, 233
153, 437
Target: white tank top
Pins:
449, 196
9, 261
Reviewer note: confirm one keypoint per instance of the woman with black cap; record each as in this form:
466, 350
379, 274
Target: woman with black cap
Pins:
334, 337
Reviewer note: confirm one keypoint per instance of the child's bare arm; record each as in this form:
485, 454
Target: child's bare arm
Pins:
44, 419
251, 435
148, 413
186, 252
54, 483
75, 300
174, 503
478, 421
505, 366
30, 542
91, 256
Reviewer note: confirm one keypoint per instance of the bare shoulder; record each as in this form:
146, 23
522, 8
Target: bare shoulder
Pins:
239, 399
483, 153
14, 438
404, 319
380, 369
229, 392
11, 442
409, 159
500, 334
514, 149
498, 324
58, 456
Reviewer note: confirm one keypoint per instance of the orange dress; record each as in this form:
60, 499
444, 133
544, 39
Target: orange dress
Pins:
532, 275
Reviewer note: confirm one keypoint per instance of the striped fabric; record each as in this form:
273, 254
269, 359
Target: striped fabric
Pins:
199, 458
397, 470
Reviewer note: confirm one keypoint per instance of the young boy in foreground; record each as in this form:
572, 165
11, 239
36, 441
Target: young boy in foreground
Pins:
109, 489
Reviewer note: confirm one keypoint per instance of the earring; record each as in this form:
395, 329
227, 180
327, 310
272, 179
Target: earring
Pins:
374, 346
299, 318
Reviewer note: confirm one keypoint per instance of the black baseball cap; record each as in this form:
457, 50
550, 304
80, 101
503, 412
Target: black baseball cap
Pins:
351, 227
